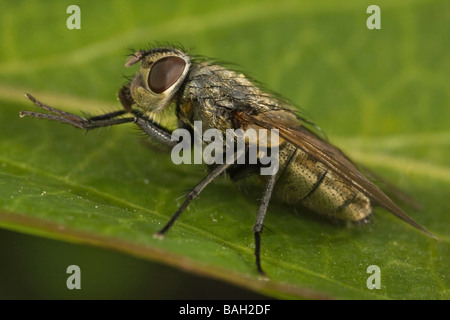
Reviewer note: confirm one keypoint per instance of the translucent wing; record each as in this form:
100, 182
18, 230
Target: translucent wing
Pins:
330, 156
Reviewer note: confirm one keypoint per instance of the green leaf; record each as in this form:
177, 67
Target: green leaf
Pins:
380, 95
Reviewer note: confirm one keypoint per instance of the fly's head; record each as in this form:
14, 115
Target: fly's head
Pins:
158, 79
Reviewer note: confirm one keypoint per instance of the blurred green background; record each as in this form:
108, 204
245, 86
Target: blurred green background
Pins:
381, 95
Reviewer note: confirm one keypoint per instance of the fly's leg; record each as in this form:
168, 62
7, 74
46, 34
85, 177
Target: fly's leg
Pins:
163, 135
193, 194
104, 120
259, 223
151, 128
154, 130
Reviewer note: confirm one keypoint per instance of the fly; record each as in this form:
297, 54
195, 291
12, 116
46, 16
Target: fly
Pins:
312, 172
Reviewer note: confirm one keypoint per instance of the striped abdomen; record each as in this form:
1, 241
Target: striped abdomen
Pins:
303, 180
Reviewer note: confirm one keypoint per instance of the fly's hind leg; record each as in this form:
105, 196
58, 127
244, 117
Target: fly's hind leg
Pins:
259, 223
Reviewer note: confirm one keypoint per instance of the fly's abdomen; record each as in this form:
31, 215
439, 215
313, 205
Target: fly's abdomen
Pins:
303, 180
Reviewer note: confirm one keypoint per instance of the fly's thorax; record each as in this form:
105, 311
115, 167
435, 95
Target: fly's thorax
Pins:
213, 94
217, 97
305, 181
159, 77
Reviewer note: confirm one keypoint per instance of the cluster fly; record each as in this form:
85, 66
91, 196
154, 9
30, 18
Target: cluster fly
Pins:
312, 172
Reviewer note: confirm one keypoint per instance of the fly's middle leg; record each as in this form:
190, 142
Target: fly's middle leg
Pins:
194, 193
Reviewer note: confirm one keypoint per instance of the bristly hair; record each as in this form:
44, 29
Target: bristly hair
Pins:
159, 46
300, 113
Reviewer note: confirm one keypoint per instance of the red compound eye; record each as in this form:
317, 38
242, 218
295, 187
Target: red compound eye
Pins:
165, 72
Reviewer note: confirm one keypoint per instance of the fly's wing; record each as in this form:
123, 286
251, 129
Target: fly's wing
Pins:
390, 188
330, 156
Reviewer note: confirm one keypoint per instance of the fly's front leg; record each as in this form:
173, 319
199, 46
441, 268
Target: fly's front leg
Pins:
151, 128
154, 130
54, 114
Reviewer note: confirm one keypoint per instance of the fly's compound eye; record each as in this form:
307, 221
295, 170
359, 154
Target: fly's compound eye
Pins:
165, 72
